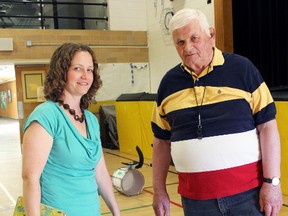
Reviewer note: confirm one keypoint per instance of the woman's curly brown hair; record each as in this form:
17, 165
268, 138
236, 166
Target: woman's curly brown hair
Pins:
59, 65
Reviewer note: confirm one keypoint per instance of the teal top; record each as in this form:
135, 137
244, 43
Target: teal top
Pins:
68, 179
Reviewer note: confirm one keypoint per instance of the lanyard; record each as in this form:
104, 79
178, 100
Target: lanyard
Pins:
199, 129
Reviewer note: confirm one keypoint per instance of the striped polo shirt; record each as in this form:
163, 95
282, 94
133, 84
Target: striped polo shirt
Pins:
229, 99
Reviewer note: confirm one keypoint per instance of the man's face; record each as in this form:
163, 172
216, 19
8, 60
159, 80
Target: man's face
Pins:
194, 46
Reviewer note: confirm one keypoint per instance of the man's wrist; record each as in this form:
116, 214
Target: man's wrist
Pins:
275, 181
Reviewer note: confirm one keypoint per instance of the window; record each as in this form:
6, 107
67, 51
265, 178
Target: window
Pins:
54, 14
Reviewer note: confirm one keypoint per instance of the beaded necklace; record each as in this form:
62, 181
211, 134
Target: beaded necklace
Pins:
72, 111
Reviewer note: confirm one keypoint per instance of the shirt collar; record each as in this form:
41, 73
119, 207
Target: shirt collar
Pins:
217, 60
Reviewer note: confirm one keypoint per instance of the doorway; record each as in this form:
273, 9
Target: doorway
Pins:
25, 107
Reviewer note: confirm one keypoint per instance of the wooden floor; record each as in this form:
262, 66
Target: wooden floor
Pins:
140, 205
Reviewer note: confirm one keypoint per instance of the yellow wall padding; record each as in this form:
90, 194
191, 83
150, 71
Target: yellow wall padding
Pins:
94, 108
282, 121
134, 127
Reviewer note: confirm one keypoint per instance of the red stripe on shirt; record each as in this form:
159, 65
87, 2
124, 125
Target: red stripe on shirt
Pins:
220, 183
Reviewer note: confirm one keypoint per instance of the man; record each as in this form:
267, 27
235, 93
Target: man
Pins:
215, 115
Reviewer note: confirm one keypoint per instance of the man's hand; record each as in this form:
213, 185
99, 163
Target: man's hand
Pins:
270, 199
161, 204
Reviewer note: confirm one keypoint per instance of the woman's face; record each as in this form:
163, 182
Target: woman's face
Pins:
80, 74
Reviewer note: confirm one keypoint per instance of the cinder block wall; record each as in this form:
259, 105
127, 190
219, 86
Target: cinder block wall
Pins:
109, 46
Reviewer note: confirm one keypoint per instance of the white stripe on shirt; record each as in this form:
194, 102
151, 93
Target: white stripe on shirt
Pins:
215, 153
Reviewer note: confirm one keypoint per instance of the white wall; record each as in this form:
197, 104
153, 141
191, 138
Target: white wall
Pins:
127, 15
162, 53
123, 78
142, 15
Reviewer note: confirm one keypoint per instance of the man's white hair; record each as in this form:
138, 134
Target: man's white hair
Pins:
187, 15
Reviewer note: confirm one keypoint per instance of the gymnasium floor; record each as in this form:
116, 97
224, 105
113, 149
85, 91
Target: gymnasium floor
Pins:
140, 205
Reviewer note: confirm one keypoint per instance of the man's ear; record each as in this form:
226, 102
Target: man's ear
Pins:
212, 32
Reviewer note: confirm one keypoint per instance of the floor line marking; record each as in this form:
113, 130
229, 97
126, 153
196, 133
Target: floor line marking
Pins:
129, 209
147, 191
149, 165
7, 193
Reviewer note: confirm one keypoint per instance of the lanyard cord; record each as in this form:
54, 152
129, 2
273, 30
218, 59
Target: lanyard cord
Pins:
199, 106
199, 129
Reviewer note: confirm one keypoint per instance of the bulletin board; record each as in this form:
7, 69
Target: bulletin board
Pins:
32, 81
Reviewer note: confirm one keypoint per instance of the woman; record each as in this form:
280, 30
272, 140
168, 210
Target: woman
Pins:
63, 163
